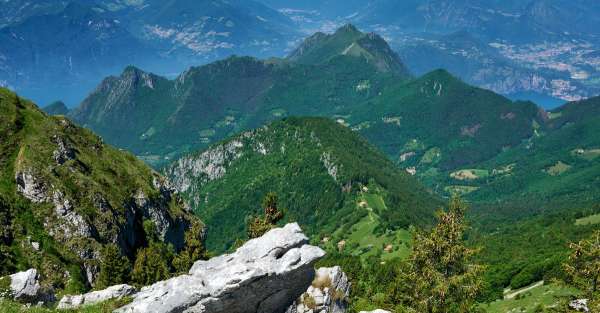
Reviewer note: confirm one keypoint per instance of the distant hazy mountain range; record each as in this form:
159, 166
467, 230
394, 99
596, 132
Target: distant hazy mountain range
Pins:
541, 50
511, 20
59, 50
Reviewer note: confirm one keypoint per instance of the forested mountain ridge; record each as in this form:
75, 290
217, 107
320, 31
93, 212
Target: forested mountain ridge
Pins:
228, 96
159, 119
327, 178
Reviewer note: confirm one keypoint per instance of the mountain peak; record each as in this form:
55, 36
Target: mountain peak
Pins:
440, 74
349, 41
78, 11
130, 69
135, 75
56, 108
348, 29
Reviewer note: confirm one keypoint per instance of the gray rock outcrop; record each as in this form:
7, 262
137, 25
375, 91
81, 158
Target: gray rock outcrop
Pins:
70, 223
25, 287
328, 293
31, 187
91, 298
579, 305
64, 152
265, 275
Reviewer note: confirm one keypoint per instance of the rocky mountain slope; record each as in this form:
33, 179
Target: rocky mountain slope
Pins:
65, 194
271, 274
327, 177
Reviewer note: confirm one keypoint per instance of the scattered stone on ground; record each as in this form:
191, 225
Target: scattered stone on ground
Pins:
91, 298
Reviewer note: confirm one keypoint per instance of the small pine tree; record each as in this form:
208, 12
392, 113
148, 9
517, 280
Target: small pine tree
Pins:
150, 231
152, 264
583, 266
440, 276
7, 262
194, 249
272, 214
258, 226
114, 268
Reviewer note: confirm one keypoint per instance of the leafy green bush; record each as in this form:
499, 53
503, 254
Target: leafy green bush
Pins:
5, 290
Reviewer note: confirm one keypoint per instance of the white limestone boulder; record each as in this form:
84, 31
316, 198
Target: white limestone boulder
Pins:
95, 297
265, 275
579, 305
25, 287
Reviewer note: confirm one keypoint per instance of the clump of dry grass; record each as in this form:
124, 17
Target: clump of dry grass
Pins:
309, 301
322, 282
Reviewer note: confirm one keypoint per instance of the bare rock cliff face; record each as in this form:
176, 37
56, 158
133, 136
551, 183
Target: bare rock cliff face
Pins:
68, 225
265, 275
119, 221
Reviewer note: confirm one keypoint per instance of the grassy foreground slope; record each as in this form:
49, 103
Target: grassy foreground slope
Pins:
530, 299
322, 172
8, 306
